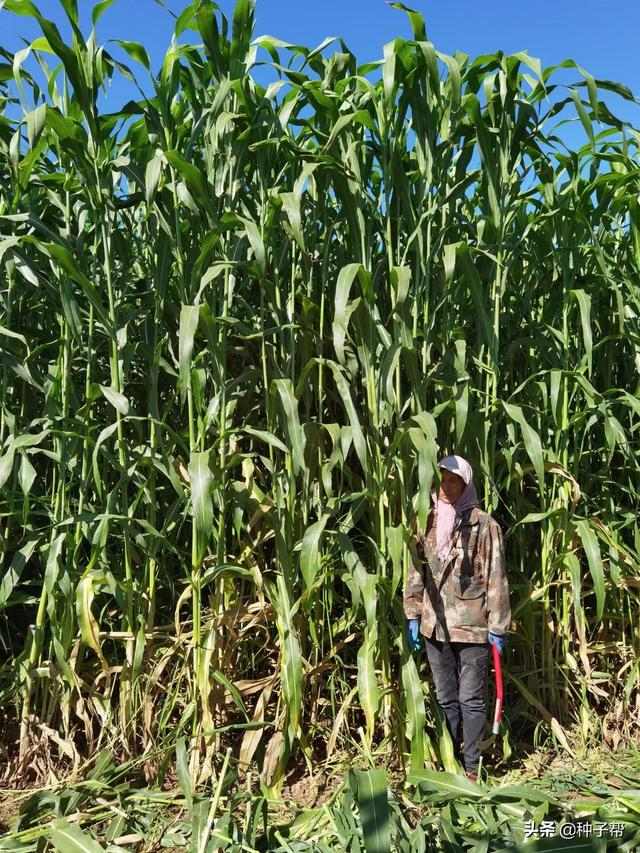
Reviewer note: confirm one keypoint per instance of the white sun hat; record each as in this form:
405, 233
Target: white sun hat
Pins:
458, 466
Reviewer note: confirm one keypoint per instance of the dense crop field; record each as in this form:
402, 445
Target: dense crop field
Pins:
239, 322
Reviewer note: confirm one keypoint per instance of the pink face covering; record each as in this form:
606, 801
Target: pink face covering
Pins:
448, 514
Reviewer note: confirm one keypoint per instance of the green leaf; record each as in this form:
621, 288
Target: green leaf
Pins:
228, 570
136, 51
182, 769
71, 8
416, 715
555, 378
200, 829
373, 804
69, 838
446, 784
242, 32
401, 281
201, 478
185, 20
594, 559
14, 572
522, 794
105, 434
389, 73
426, 448
20, 368
64, 259
152, 178
99, 9
9, 334
361, 117
367, 682
461, 397
117, 400
71, 308
89, 629
341, 314
291, 666
310, 551
454, 80
474, 282
295, 433
291, 205
256, 242
189, 317
21, 7
29, 439
417, 21
584, 302
35, 123
359, 441
6, 465
573, 564
387, 374
395, 548
582, 114
532, 441
192, 176
26, 474
233, 691
268, 437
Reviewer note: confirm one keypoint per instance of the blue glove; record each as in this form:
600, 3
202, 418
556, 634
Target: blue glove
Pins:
413, 634
497, 640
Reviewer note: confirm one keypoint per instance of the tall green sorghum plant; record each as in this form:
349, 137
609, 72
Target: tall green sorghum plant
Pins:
238, 325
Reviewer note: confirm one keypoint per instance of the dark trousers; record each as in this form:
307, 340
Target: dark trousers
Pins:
458, 673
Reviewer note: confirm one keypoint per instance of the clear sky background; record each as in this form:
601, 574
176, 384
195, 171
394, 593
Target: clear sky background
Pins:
603, 39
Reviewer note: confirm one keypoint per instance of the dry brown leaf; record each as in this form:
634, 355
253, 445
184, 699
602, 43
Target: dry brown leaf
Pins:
340, 720
181, 471
252, 737
272, 757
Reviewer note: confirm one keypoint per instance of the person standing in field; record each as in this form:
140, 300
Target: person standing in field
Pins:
457, 597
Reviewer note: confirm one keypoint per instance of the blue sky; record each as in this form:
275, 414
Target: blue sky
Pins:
603, 40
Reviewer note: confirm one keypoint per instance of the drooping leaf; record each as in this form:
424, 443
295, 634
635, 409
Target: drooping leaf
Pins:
295, 433
594, 559
14, 572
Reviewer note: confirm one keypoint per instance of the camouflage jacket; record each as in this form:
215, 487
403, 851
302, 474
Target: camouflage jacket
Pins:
467, 594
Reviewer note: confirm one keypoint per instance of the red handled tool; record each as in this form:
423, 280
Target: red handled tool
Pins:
497, 665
